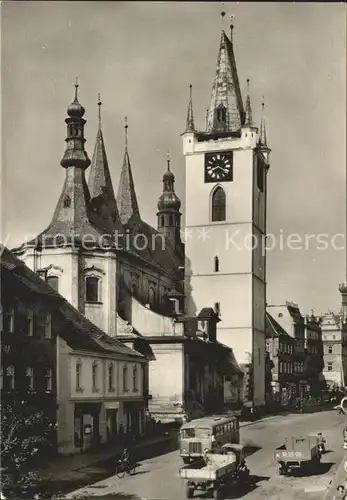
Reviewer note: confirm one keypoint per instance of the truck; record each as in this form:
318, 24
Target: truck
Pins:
298, 452
215, 470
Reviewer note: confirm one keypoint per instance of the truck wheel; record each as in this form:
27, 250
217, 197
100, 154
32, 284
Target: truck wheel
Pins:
216, 494
190, 492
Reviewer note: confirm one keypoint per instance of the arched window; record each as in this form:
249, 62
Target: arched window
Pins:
162, 219
170, 220
78, 375
53, 282
216, 264
125, 378
92, 293
110, 377
135, 388
218, 205
95, 375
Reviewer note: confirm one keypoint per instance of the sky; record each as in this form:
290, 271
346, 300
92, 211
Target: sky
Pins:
141, 57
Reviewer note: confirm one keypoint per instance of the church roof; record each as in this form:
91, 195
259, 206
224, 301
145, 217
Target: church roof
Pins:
100, 181
226, 90
126, 198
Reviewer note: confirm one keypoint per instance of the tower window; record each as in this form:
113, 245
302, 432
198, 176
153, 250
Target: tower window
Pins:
162, 219
221, 113
330, 349
218, 205
53, 282
216, 264
170, 220
92, 289
217, 308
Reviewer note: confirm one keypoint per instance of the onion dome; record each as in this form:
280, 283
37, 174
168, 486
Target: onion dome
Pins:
75, 110
168, 199
343, 288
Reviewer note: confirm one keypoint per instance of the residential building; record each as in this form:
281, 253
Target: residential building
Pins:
206, 377
226, 167
91, 385
334, 330
314, 362
306, 332
281, 348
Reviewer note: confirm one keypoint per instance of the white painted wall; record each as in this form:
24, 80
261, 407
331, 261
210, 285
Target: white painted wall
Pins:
238, 243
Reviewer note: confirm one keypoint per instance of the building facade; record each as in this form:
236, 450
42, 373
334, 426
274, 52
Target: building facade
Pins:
308, 347
281, 348
30, 324
90, 385
206, 377
226, 168
334, 332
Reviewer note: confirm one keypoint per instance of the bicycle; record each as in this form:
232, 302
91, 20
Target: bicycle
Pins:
124, 468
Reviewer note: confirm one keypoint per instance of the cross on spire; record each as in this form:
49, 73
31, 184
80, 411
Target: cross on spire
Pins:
99, 110
168, 161
126, 133
76, 88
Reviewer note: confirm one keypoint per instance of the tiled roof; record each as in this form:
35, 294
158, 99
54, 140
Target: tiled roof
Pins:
226, 88
126, 198
274, 329
84, 334
208, 312
100, 181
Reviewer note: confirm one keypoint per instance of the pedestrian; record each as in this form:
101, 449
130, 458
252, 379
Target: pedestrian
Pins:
341, 492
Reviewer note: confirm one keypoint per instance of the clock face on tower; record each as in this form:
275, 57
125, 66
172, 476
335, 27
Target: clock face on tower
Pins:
219, 167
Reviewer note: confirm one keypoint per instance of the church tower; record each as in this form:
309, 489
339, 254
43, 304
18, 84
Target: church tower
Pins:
225, 220
169, 216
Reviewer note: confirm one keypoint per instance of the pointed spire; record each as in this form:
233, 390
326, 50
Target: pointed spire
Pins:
100, 181
226, 113
70, 220
190, 117
126, 198
249, 119
262, 134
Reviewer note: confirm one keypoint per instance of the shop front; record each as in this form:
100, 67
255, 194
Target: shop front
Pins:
113, 421
134, 417
86, 425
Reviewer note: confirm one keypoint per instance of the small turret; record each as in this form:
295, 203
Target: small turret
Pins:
169, 204
75, 154
343, 291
